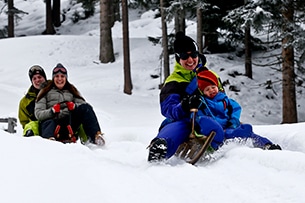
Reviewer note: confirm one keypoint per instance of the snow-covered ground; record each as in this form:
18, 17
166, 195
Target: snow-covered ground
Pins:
38, 170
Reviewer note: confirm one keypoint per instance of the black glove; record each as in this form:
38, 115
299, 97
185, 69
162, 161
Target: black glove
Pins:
190, 102
185, 103
194, 101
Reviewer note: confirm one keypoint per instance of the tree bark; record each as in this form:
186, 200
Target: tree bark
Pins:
127, 74
49, 20
115, 11
164, 42
10, 27
248, 54
199, 29
106, 45
289, 94
180, 20
56, 13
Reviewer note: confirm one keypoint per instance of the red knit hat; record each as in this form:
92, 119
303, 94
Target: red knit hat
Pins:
206, 78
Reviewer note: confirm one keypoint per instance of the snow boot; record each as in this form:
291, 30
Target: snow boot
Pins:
272, 147
29, 133
99, 139
157, 150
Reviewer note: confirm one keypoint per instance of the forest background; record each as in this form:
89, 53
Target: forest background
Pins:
265, 33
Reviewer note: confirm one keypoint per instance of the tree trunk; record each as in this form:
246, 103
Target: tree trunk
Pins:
56, 13
248, 58
49, 21
180, 20
211, 41
10, 27
106, 46
115, 11
164, 42
127, 75
289, 94
199, 29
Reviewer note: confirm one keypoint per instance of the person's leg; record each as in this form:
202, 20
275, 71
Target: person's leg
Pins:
85, 115
166, 143
246, 131
48, 128
207, 125
31, 129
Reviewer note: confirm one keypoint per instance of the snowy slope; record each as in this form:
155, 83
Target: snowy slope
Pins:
38, 170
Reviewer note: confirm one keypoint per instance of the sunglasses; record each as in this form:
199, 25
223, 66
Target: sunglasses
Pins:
35, 68
60, 69
185, 56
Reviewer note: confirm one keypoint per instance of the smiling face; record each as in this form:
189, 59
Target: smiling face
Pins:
37, 80
60, 80
190, 63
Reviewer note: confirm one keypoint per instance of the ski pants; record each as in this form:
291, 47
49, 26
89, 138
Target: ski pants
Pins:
177, 132
246, 131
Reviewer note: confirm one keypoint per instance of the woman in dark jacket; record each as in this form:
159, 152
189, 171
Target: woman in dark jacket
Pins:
60, 106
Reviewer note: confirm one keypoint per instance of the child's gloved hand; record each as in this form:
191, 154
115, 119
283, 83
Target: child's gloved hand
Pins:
233, 123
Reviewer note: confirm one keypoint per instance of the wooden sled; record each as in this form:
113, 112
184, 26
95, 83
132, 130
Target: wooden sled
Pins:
193, 149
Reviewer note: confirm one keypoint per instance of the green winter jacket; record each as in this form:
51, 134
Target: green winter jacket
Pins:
180, 74
27, 107
26, 111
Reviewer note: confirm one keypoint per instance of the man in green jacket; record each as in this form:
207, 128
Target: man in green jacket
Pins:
27, 103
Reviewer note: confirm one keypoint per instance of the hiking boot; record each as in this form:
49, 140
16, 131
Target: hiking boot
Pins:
29, 133
99, 139
157, 150
272, 147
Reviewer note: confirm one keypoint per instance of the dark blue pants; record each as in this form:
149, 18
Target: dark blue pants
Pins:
83, 114
177, 132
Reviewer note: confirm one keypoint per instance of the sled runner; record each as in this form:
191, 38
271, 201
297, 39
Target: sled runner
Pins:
195, 147
64, 136
63, 131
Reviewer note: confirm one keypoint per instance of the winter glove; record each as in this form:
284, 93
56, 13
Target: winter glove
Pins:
233, 123
56, 108
190, 102
185, 103
70, 105
194, 101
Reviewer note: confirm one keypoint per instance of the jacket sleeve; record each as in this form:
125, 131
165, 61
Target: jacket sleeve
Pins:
170, 100
234, 113
41, 111
78, 101
171, 107
22, 113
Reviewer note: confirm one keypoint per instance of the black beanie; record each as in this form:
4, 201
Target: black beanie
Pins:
36, 69
184, 44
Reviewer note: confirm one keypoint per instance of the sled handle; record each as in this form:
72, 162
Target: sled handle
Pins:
194, 111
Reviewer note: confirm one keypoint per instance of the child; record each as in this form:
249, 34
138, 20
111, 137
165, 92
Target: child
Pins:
226, 112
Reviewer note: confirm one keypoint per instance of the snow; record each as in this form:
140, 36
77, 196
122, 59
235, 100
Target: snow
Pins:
38, 170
